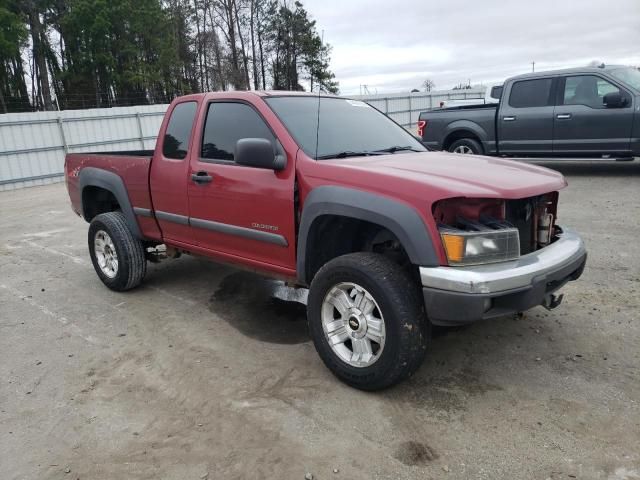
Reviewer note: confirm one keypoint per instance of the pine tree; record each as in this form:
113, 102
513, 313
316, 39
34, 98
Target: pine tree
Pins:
13, 35
101, 53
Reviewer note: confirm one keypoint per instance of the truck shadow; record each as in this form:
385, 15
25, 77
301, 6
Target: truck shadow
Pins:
267, 310
606, 168
262, 308
463, 364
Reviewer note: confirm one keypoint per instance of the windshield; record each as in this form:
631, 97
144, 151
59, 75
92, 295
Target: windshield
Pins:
630, 76
347, 127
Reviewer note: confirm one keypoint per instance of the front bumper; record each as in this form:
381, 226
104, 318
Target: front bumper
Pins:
459, 295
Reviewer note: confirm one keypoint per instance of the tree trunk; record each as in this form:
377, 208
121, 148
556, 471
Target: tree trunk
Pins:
20, 85
231, 30
216, 51
2, 102
38, 41
198, 44
247, 82
204, 31
256, 80
261, 49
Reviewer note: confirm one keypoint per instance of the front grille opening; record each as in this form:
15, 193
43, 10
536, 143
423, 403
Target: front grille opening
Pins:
534, 217
520, 214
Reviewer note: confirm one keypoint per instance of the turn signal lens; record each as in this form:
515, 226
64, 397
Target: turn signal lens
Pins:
454, 247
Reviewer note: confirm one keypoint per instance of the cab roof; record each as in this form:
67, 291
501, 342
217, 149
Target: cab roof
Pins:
576, 70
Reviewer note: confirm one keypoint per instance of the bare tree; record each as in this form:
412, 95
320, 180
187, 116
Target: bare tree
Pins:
254, 58
245, 60
225, 19
216, 49
428, 85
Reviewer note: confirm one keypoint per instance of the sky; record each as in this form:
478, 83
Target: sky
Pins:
394, 45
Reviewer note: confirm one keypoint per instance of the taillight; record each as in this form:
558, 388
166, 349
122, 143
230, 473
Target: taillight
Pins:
422, 124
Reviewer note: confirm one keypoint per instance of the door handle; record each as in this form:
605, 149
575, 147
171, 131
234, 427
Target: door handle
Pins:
201, 177
509, 119
563, 116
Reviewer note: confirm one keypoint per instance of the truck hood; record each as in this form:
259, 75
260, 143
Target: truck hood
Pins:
453, 175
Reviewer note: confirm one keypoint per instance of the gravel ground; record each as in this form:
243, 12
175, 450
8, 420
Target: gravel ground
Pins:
202, 373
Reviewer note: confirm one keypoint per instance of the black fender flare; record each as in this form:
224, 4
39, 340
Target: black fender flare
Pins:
466, 126
97, 177
399, 218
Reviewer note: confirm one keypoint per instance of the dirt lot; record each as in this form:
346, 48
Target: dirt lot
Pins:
202, 373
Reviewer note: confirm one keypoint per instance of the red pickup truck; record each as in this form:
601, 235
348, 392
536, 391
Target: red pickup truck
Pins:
330, 194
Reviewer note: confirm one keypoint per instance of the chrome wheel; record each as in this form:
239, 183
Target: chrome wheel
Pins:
462, 149
353, 324
106, 254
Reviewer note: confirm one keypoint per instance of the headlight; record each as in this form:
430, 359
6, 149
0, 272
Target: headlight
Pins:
472, 248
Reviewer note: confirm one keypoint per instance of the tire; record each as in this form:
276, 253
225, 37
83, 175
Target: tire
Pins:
109, 232
396, 300
466, 146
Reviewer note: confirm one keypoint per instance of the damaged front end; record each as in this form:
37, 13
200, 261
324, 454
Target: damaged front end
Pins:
503, 257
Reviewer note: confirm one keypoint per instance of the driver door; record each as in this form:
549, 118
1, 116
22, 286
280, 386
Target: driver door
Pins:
238, 211
583, 125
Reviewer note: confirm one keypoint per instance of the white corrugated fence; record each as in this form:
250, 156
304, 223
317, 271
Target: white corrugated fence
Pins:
405, 108
33, 145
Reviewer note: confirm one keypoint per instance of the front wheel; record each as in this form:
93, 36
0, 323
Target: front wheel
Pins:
367, 321
467, 146
117, 256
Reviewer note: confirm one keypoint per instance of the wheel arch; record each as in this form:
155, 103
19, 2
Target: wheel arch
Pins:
92, 180
375, 212
464, 129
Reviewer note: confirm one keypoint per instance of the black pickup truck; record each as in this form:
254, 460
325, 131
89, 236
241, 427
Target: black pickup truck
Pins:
580, 112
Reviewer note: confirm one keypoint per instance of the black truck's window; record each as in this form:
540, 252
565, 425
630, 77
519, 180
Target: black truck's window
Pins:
226, 124
176, 138
531, 93
587, 90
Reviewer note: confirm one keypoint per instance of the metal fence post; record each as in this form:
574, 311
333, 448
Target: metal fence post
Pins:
410, 111
139, 121
62, 136
386, 105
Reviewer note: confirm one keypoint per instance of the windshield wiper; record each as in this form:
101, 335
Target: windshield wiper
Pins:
398, 149
349, 153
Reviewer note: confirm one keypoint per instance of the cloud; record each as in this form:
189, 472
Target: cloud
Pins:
394, 45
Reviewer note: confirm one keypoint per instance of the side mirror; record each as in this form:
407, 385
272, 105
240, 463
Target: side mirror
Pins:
496, 92
614, 100
258, 153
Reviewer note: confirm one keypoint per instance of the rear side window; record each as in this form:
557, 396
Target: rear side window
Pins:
531, 93
176, 138
226, 124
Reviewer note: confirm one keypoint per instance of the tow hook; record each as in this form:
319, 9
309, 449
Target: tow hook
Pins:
551, 301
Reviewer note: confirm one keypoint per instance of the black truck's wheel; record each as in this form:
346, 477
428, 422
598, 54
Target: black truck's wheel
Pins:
367, 321
117, 256
466, 146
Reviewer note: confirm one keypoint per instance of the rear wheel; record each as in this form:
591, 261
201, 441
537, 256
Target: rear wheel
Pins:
366, 320
117, 256
466, 146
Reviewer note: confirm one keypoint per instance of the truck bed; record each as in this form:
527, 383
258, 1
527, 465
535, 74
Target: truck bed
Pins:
131, 167
479, 106
478, 119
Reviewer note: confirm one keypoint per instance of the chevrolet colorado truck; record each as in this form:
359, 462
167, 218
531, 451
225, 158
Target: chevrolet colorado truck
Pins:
328, 193
581, 112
